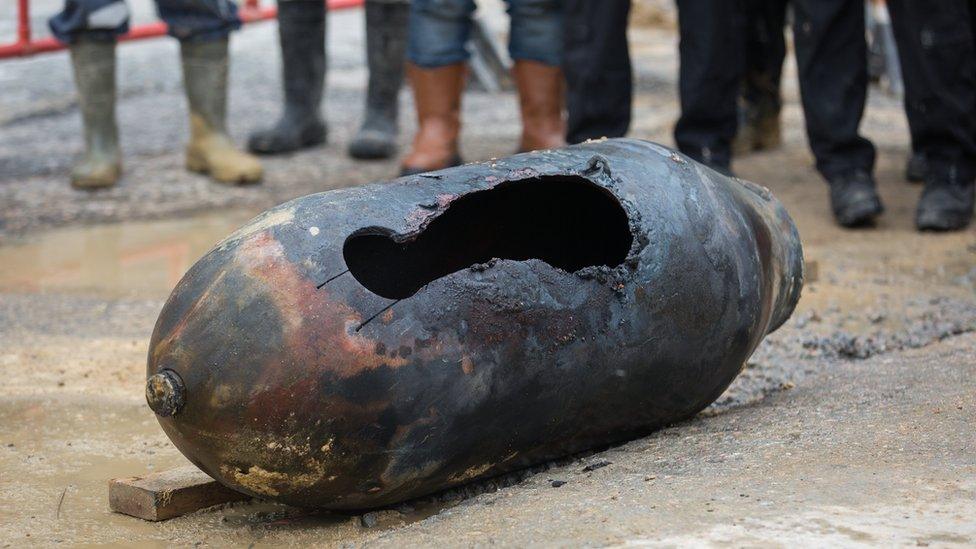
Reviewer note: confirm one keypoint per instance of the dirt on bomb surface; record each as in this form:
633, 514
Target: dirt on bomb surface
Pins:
850, 425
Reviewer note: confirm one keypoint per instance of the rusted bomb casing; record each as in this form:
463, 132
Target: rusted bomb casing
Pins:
359, 347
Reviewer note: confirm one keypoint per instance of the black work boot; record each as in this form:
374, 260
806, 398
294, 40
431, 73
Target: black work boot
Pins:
301, 31
916, 168
386, 45
854, 199
946, 203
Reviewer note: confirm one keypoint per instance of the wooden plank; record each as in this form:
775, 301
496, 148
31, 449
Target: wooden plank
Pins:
168, 494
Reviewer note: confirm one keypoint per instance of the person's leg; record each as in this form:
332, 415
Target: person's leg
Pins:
938, 59
596, 64
90, 28
831, 54
386, 48
774, 38
439, 30
709, 77
536, 45
765, 51
203, 28
301, 33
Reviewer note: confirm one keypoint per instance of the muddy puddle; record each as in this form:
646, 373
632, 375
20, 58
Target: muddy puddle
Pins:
129, 259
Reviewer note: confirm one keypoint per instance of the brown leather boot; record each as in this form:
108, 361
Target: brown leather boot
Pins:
540, 88
437, 96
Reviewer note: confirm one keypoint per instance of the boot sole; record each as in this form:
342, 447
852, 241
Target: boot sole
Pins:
95, 183
317, 137
200, 166
861, 214
409, 170
372, 150
936, 221
91, 185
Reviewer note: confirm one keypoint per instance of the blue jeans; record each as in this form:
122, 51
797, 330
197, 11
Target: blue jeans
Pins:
439, 30
104, 20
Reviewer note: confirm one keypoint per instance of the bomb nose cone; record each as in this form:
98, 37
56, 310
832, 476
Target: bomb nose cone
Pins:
165, 393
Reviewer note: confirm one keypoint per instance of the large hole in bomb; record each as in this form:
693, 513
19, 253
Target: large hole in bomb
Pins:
566, 221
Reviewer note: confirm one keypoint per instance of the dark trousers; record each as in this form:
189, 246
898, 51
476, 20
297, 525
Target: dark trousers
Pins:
596, 62
104, 20
831, 56
711, 67
765, 51
938, 60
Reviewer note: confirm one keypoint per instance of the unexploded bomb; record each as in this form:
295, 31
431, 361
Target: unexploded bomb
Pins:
359, 347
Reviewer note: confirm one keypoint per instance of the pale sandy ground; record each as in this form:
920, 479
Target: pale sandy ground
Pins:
851, 426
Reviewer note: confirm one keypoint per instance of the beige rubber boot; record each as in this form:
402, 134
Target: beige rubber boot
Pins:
769, 130
759, 128
210, 150
94, 69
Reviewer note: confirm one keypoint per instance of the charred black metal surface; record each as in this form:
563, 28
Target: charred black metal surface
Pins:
360, 347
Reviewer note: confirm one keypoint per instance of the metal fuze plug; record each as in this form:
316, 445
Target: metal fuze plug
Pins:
165, 393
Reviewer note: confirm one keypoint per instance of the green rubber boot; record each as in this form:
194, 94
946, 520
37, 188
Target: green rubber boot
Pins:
94, 69
211, 150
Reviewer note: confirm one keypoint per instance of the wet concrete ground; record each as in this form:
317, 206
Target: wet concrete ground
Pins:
852, 425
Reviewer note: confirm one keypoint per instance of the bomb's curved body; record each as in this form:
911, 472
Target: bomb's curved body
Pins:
356, 348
